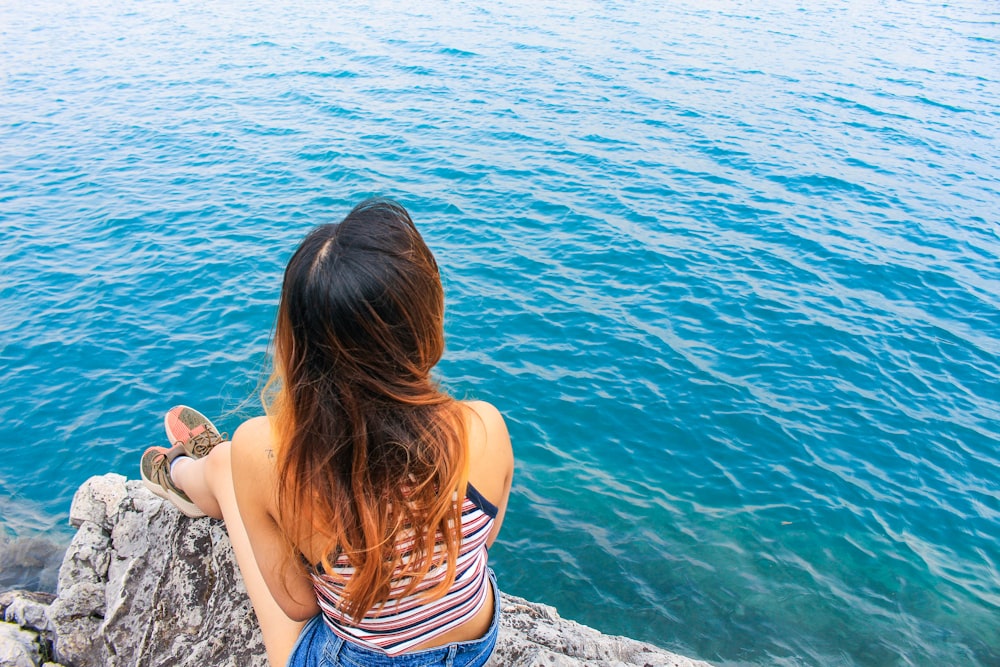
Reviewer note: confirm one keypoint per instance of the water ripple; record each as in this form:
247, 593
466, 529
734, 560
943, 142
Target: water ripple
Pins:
732, 273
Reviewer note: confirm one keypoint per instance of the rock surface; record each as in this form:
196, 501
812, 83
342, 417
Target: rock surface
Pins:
141, 585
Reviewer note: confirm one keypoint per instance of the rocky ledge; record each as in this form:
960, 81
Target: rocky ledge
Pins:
143, 585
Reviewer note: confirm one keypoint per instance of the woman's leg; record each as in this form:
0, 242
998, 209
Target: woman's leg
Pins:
208, 482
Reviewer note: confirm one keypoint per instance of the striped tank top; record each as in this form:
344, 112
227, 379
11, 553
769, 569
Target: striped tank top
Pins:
405, 622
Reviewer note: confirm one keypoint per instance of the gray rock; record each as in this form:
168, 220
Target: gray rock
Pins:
29, 610
140, 579
98, 501
142, 584
18, 647
533, 635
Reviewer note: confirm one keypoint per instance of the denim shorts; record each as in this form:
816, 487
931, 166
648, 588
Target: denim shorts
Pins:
318, 646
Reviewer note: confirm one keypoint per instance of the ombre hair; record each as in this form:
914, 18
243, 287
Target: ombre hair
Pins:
369, 449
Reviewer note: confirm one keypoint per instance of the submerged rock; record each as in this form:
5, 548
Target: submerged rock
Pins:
141, 583
30, 562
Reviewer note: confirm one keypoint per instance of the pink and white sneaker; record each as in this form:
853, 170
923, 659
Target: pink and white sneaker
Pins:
191, 430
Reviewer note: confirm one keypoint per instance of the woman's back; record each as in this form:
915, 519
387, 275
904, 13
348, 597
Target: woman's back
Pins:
411, 621
255, 475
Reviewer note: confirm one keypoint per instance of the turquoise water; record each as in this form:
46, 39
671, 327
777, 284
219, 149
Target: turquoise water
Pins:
732, 271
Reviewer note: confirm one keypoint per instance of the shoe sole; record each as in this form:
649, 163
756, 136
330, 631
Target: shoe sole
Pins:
189, 510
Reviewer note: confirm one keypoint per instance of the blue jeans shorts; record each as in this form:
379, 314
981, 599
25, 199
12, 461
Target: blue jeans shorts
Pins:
318, 646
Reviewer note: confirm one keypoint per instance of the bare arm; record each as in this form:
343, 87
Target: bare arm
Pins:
255, 481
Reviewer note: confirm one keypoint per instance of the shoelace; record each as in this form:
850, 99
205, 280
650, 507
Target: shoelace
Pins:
161, 474
201, 444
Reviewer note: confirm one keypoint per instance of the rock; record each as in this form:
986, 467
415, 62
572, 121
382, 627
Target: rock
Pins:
140, 579
533, 635
18, 647
98, 501
142, 584
29, 610
30, 562
29, 613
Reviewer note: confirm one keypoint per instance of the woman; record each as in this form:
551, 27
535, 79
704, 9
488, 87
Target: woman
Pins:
361, 507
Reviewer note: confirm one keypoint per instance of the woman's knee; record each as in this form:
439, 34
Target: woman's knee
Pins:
218, 465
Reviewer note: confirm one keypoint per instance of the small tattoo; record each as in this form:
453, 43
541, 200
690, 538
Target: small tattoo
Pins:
270, 454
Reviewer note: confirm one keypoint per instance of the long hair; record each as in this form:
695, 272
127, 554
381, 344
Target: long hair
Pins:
369, 448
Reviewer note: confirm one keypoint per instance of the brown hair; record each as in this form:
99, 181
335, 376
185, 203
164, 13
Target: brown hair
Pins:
368, 446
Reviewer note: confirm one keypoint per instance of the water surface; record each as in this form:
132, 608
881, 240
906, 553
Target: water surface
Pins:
730, 271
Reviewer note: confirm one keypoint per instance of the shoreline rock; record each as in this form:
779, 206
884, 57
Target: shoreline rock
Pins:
142, 585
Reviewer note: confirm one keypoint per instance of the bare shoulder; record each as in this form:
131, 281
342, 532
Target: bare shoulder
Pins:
491, 458
489, 419
253, 439
254, 461
487, 430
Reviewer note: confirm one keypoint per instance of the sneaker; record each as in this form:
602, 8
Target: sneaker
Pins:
155, 471
191, 430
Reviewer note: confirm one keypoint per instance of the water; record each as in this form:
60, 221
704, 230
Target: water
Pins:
730, 270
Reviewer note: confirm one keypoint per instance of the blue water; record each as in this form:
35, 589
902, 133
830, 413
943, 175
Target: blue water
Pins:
731, 270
